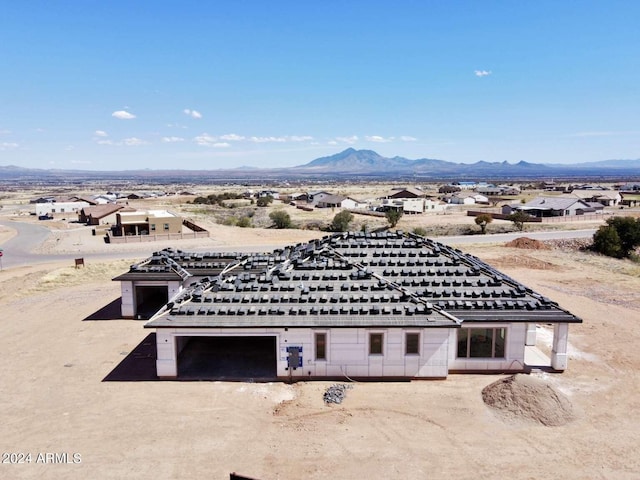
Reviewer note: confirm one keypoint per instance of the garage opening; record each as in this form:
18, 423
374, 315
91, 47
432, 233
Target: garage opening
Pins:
228, 358
150, 299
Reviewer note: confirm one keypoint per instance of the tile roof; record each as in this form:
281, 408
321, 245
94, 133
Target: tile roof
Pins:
551, 203
352, 279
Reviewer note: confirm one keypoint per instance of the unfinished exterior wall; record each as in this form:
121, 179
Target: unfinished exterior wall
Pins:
513, 359
128, 293
347, 351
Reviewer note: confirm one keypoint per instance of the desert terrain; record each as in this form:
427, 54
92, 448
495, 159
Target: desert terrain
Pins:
55, 400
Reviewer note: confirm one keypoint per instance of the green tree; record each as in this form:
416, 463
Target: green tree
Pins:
393, 217
619, 238
280, 219
264, 201
341, 221
607, 242
483, 220
519, 218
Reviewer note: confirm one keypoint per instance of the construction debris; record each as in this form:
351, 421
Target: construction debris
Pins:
336, 393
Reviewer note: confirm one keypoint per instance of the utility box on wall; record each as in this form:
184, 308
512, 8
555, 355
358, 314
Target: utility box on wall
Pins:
294, 359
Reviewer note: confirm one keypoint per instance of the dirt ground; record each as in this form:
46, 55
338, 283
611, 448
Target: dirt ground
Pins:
54, 400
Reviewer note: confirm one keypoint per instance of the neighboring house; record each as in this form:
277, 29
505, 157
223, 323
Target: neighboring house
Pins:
149, 222
56, 208
466, 198
339, 201
413, 205
465, 185
296, 197
315, 197
409, 192
555, 207
100, 214
268, 193
608, 198
104, 199
377, 305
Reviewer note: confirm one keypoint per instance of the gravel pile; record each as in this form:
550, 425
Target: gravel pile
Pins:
336, 393
571, 244
528, 398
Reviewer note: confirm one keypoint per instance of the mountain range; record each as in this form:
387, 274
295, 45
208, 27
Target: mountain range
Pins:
354, 163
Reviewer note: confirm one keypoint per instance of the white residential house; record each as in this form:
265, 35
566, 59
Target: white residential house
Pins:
466, 198
559, 206
361, 305
58, 208
608, 198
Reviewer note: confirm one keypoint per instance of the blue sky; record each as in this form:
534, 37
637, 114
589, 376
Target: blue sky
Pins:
109, 85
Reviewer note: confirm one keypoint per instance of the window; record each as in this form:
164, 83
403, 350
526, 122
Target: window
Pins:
166, 227
375, 343
321, 346
412, 344
481, 342
153, 227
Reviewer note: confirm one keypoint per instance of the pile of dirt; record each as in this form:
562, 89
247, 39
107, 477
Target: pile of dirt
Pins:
528, 398
528, 243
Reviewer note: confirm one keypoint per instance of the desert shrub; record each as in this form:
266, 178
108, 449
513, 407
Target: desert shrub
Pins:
264, 201
393, 217
280, 219
519, 218
420, 231
243, 222
483, 220
341, 221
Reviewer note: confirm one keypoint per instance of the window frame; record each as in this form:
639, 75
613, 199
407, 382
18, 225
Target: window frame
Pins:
406, 344
371, 344
495, 334
316, 336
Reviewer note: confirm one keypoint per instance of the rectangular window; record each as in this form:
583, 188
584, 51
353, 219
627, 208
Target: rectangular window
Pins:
153, 227
166, 226
375, 343
481, 342
412, 344
321, 346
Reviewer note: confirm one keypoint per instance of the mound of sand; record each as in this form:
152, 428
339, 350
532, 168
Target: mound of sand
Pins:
528, 243
528, 398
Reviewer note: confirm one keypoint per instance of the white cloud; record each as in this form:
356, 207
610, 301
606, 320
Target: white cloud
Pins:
100, 133
4, 131
407, 138
482, 73
69, 148
123, 115
172, 139
268, 139
378, 139
8, 145
350, 140
221, 145
105, 142
232, 137
192, 113
332, 142
133, 142
205, 140
303, 138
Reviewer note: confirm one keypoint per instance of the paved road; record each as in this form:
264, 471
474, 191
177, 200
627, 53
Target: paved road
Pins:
18, 250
